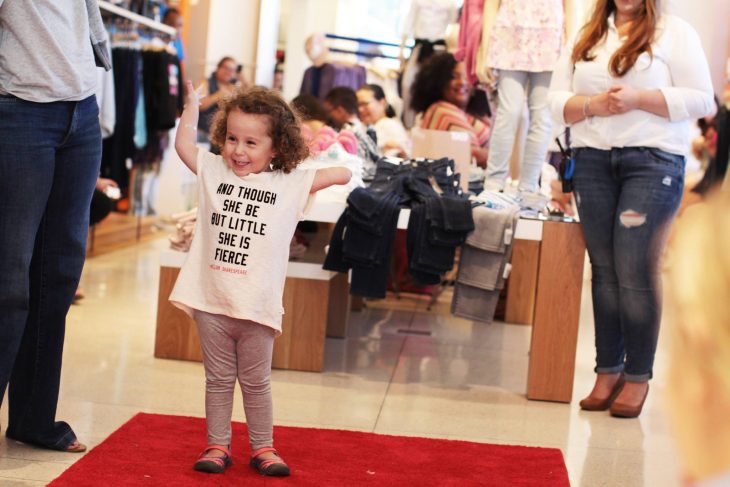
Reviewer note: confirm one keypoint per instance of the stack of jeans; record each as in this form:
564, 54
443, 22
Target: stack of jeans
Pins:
363, 236
484, 258
425, 178
362, 240
436, 227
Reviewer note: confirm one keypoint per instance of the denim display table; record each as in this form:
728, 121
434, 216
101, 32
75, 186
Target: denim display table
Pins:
544, 291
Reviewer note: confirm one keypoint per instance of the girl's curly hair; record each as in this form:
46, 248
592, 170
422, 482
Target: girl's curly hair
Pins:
284, 129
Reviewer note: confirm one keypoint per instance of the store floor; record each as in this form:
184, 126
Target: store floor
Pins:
402, 370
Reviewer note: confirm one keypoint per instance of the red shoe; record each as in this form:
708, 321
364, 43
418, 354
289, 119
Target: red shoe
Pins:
212, 464
273, 467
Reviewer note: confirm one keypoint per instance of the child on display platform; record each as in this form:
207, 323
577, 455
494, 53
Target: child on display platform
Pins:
251, 197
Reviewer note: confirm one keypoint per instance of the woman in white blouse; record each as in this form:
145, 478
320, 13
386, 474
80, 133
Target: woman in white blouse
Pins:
628, 88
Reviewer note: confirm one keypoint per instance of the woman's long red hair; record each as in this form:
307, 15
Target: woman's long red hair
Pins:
639, 39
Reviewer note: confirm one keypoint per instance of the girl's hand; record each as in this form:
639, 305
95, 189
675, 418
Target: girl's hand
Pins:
192, 97
622, 99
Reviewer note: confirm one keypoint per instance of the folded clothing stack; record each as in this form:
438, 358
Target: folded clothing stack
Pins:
484, 259
184, 230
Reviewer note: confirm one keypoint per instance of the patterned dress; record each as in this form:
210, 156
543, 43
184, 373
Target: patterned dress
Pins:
527, 35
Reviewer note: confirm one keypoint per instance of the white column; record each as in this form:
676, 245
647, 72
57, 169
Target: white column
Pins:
232, 31
268, 34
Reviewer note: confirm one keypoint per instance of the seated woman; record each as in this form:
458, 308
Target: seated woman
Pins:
443, 95
221, 83
373, 109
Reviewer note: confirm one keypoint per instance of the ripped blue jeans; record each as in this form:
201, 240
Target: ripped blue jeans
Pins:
627, 199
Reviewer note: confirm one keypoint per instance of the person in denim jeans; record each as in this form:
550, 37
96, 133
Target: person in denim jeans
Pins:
629, 87
50, 150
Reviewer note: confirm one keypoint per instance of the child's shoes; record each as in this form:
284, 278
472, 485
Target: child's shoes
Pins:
213, 464
273, 467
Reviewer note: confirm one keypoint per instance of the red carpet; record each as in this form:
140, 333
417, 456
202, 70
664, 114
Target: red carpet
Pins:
159, 450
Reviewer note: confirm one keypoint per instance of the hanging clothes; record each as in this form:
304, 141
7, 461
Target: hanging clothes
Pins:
105, 99
319, 80
426, 23
163, 100
470, 36
119, 147
363, 237
484, 259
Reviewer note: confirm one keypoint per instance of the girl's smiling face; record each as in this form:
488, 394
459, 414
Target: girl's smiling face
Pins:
248, 148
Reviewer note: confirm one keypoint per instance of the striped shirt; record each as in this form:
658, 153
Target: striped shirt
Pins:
443, 115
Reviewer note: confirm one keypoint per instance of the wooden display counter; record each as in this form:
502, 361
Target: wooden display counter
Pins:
544, 290
316, 303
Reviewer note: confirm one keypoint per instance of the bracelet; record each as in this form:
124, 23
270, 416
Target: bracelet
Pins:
587, 107
189, 126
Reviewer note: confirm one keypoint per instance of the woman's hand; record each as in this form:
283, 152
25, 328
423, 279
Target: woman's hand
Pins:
622, 99
394, 146
480, 155
598, 106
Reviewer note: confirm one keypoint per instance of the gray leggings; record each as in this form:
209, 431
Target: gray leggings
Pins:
237, 348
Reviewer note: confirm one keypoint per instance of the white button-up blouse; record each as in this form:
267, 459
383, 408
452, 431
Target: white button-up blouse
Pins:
678, 68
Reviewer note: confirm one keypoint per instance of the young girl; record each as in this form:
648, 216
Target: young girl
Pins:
250, 199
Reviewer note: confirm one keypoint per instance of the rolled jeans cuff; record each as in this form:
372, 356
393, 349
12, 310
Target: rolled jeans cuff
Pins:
637, 377
609, 370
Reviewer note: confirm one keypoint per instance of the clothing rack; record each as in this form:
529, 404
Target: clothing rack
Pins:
367, 42
140, 19
361, 53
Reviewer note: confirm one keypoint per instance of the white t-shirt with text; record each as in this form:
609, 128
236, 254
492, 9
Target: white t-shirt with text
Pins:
238, 259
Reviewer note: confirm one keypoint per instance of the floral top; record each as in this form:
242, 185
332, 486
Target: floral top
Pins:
527, 35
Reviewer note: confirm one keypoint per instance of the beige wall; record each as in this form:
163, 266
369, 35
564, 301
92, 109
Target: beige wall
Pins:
221, 28
711, 19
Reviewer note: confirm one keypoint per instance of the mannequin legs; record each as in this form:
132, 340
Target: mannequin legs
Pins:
513, 89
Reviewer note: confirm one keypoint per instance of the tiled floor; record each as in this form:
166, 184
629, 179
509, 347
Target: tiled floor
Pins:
463, 381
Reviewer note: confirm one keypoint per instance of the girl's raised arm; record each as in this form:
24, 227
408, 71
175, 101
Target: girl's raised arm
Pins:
187, 132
